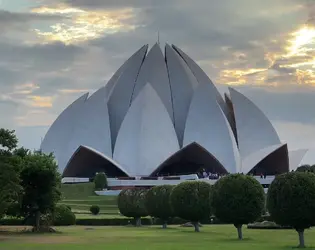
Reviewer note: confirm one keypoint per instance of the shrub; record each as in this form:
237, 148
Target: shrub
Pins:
131, 204
69, 207
94, 209
291, 201
238, 199
190, 200
100, 181
157, 203
63, 216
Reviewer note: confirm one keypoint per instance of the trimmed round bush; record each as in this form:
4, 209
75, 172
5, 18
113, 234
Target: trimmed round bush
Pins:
291, 201
238, 199
131, 203
190, 200
63, 216
100, 181
157, 203
94, 209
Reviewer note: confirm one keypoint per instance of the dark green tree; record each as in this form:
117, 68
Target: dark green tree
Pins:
41, 184
158, 203
304, 168
131, 203
190, 200
10, 188
100, 181
8, 140
291, 201
238, 199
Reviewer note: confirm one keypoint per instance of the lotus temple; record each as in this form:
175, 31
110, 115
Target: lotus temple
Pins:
160, 115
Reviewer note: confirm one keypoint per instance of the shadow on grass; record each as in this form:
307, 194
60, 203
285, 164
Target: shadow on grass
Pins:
296, 247
27, 231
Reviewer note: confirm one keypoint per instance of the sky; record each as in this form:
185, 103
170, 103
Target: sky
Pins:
51, 52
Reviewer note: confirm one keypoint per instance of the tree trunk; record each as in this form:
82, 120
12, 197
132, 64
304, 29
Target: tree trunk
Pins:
196, 225
138, 221
301, 238
239, 231
164, 226
37, 222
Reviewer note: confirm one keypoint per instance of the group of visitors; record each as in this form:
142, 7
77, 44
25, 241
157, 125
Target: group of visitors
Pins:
209, 175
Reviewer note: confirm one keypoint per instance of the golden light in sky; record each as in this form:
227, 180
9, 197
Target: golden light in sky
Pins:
80, 25
301, 40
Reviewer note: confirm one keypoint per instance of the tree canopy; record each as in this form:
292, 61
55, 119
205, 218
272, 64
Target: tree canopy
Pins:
238, 199
157, 203
190, 200
291, 201
41, 182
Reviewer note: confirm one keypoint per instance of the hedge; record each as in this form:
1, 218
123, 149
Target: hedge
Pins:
117, 221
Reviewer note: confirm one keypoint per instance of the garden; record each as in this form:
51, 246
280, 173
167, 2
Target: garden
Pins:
38, 212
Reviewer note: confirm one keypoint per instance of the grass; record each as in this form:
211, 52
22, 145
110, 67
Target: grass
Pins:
214, 237
80, 197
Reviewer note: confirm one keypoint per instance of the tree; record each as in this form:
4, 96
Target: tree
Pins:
190, 200
304, 168
8, 139
157, 203
291, 201
41, 182
100, 181
131, 204
238, 199
10, 188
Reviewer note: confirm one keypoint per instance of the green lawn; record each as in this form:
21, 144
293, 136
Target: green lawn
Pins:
80, 197
152, 238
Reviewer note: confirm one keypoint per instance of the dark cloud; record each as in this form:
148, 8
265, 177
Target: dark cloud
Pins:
19, 20
39, 57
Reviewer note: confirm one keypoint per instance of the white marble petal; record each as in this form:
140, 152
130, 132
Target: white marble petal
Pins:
121, 94
147, 136
202, 78
207, 125
254, 130
295, 158
183, 83
60, 132
92, 126
154, 71
249, 162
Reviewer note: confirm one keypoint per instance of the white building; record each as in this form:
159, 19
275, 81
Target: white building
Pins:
162, 115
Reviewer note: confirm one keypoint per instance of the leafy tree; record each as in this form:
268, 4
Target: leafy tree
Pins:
9, 187
41, 182
158, 203
100, 181
238, 199
94, 209
8, 139
291, 201
304, 168
190, 200
131, 204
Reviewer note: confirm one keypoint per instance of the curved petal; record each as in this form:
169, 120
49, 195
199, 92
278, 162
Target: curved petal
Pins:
295, 158
112, 81
120, 97
147, 136
190, 160
182, 83
86, 161
202, 77
230, 115
270, 160
254, 130
92, 126
59, 133
207, 125
154, 71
